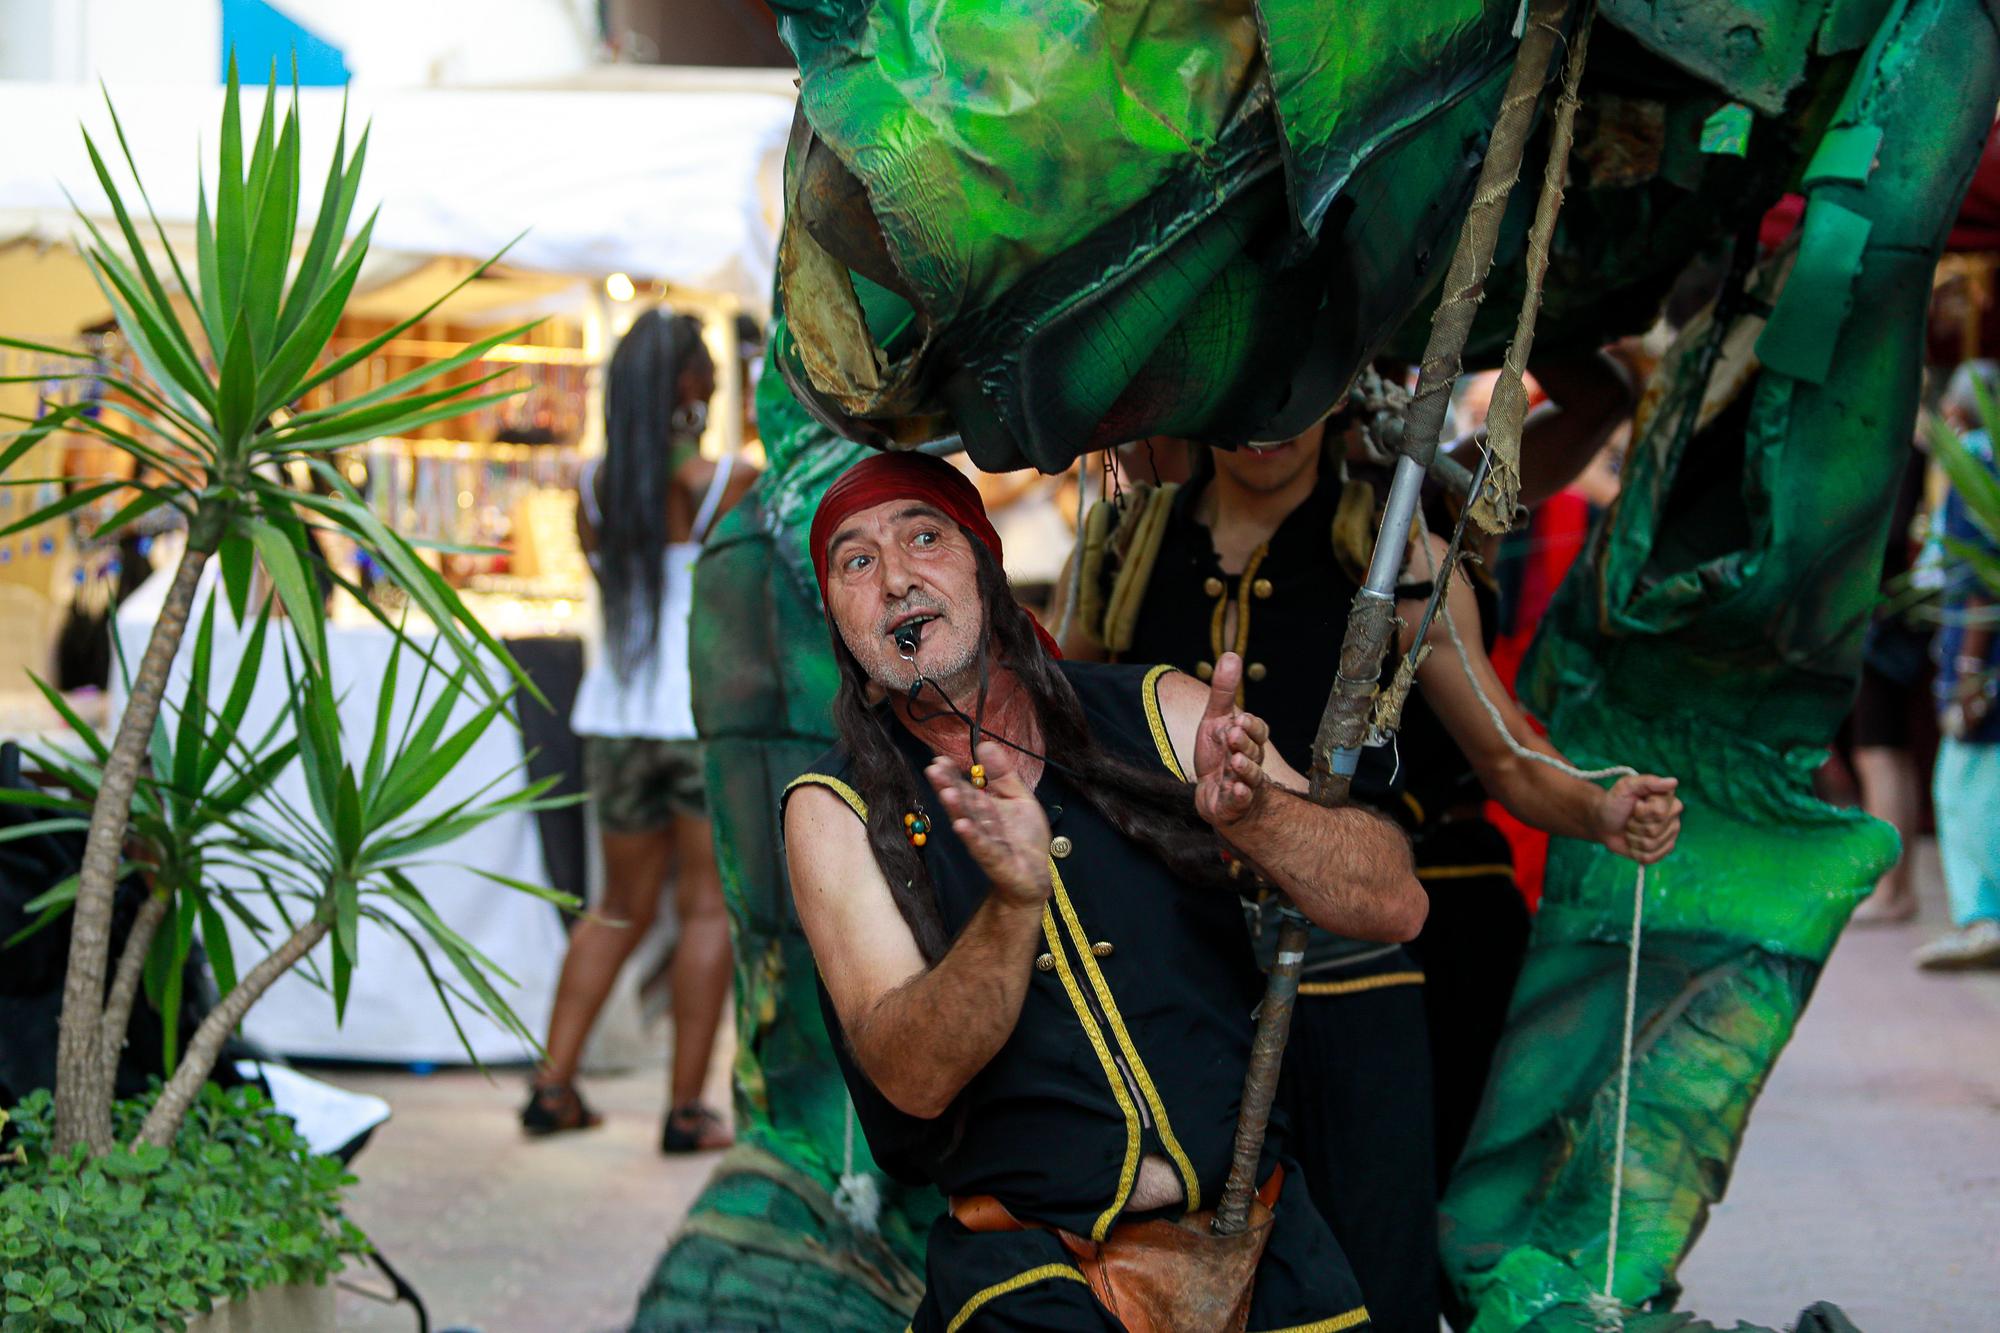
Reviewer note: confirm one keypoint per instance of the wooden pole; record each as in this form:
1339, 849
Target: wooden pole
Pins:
1371, 619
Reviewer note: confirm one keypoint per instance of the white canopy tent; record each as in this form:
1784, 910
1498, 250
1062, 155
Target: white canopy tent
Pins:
678, 180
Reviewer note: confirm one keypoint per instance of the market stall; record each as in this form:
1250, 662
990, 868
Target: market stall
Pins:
666, 192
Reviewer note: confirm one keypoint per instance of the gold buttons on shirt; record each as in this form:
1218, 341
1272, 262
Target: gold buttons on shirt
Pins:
1046, 963
1204, 669
1060, 846
1101, 949
1213, 587
1262, 587
1257, 671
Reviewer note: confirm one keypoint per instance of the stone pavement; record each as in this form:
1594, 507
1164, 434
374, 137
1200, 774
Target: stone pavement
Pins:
1871, 1175
1871, 1172
506, 1235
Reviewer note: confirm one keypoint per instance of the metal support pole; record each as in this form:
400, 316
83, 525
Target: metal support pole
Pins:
1371, 620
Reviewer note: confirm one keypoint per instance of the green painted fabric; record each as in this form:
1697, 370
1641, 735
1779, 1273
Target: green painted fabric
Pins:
1712, 630
994, 136
1110, 222
1350, 79
764, 1246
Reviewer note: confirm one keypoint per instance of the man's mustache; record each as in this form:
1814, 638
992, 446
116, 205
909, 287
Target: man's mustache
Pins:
906, 608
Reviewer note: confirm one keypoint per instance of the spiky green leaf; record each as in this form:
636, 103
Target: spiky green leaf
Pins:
215, 940
286, 565
271, 238
57, 508
239, 559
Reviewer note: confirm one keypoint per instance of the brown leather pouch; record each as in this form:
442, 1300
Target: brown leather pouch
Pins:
1162, 1276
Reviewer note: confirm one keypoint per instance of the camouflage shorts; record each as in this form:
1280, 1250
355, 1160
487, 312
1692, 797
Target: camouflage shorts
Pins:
640, 784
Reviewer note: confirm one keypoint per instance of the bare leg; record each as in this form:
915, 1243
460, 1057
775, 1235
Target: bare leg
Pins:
1889, 792
635, 867
701, 973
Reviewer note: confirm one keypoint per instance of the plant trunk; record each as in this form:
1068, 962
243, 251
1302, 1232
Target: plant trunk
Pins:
125, 984
83, 1090
163, 1122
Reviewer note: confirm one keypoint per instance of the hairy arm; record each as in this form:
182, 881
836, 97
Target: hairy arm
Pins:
919, 1033
1638, 817
1346, 868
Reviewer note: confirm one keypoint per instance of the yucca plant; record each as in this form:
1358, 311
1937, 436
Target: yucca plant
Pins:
213, 423
208, 839
1978, 485
201, 771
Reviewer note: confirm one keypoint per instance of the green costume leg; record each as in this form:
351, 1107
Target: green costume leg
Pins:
1713, 632
765, 1246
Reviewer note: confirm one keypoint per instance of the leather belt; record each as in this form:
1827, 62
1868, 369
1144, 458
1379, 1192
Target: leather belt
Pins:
983, 1212
1158, 1276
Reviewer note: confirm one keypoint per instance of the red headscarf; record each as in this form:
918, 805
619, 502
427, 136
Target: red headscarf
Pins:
883, 477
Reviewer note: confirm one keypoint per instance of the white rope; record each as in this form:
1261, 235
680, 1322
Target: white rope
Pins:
859, 1198
1608, 1309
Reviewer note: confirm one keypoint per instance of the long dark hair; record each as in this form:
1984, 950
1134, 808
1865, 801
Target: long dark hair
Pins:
641, 402
1144, 802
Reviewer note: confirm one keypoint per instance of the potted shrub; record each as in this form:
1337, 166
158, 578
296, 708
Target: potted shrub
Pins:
214, 421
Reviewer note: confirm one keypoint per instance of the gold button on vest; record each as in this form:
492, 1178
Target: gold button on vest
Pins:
1102, 948
1204, 669
1061, 846
1257, 671
1213, 587
1262, 587
1046, 963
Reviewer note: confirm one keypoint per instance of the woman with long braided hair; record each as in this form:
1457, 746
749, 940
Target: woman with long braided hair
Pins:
641, 515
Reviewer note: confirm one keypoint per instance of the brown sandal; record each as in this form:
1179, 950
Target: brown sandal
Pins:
694, 1128
556, 1108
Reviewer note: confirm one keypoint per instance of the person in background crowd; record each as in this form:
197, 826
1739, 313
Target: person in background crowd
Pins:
1966, 783
1881, 733
750, 365
642, 512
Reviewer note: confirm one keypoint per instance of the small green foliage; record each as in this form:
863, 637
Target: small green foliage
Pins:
144, 1238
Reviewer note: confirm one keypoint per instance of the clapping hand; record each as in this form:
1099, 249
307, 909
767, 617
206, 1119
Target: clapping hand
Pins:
1228, 751
1002, 825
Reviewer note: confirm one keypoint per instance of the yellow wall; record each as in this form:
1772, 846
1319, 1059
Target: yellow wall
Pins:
46, 295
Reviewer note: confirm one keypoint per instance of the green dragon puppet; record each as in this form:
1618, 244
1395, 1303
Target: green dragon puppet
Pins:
1051, 226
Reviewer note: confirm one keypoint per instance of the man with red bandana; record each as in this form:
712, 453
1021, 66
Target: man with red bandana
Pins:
1015, 874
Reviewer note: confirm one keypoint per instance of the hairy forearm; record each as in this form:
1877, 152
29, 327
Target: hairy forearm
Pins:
1346, 868
923, 1041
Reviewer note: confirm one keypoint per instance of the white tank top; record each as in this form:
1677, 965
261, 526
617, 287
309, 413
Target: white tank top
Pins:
656, 702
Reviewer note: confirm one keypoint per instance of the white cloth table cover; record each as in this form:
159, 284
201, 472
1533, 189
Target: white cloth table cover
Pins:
392, 1012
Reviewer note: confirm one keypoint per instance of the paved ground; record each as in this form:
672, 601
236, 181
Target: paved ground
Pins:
505, 1235
1871, 1172
1871, 1176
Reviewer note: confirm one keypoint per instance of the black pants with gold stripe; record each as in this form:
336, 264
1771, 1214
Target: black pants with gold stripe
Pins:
1471, 950
1023, 1281
1357, 1096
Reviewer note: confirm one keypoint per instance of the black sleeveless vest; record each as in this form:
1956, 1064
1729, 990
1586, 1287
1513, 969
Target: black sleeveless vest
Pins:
1292, 601
1135, 1032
